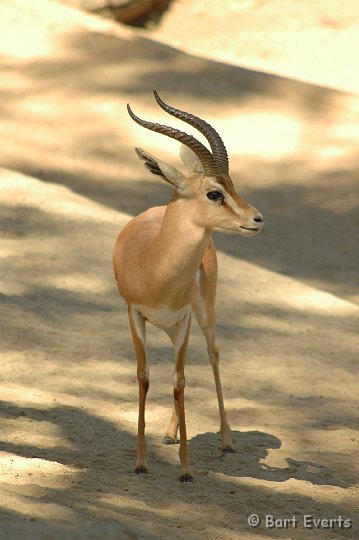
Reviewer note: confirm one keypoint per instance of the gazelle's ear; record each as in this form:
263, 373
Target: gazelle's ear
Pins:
156, 166
190, 159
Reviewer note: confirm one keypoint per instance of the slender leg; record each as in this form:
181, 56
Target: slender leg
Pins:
172, 429
213, 353
138, 329
204, 309
180, 342
171, 432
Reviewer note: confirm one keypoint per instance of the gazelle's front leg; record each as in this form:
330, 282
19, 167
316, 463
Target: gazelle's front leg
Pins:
204, 308
213, 353
138, 329
180, 342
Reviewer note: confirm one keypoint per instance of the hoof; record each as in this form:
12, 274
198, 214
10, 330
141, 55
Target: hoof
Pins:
186, 478
228, 450
142, 469
168, 440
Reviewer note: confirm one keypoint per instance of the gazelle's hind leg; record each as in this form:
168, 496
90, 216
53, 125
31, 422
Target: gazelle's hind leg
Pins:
172, 430
179, 335
204, 309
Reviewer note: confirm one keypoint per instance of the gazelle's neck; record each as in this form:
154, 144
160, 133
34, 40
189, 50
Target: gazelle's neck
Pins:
179, 246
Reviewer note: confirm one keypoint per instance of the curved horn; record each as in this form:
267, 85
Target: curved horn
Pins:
204, 155
215, 141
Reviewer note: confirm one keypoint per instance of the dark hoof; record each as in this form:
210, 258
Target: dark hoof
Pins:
168, 440
141, 470
228, 450
186, 478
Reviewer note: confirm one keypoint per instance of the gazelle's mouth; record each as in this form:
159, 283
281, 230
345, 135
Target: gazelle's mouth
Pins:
250, 228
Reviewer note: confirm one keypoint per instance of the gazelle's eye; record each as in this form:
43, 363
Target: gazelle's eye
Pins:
214, 195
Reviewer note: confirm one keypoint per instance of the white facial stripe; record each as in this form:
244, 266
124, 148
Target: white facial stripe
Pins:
234, 206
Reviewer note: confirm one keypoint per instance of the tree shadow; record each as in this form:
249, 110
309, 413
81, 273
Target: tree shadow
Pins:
89, 152
300, 237
162, 66
99, 454
104, 159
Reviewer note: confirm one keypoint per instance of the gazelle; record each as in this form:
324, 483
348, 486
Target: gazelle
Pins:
165, 265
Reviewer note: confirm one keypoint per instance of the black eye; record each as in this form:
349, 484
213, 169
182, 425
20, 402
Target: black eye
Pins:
214, 195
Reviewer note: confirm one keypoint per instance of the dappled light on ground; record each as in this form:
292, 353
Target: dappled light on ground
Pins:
70, 402
287, 300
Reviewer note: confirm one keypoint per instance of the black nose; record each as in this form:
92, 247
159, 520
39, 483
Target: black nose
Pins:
258, 219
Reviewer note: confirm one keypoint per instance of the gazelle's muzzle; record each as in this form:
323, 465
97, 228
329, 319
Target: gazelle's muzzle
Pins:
254, 224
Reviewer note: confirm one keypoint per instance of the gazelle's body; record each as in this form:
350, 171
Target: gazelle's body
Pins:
165, 266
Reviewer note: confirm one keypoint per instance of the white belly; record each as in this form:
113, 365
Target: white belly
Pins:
163, 317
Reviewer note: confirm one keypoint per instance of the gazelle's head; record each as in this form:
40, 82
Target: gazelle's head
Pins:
207, 186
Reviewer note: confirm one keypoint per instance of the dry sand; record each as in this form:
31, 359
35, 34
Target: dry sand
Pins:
287, 299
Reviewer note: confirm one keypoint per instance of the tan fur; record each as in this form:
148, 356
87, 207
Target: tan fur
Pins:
165, 266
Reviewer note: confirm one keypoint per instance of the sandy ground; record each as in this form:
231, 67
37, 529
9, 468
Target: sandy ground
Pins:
311, 41
287, 299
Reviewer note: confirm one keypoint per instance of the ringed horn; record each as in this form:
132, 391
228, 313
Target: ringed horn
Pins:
215, 164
